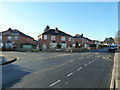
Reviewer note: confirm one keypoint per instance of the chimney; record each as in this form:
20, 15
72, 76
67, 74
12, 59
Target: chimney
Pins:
9, 29
56, 30
81, 35
47, 28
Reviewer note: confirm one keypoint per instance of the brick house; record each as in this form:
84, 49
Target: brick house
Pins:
82, 41
15, 38
50, 38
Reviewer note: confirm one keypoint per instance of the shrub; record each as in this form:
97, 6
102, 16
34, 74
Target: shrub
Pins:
92, 45
58, 46
77, 45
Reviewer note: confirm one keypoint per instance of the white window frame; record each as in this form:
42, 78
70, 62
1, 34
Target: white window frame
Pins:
52, 37
63, 38
45, 37
9, 37
73, 40
70, 39
16, 37
0, 38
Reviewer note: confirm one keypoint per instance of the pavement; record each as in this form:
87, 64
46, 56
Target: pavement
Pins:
115, 80
6, 59
117, 70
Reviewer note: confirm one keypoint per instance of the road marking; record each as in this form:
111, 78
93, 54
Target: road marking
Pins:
89, 62
85, 65
79, 68
18, 58
103, 57
81, 57
92, 60
55, 83
66, 82
69, 74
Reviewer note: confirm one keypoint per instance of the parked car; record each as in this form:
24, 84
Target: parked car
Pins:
112, 48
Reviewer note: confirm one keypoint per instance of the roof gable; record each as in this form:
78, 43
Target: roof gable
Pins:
16, 32
56, 32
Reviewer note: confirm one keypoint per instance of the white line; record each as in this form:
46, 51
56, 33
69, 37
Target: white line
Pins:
79, 68
85, 65
92, 60
89, 62
18, 58
55, 83
69, 74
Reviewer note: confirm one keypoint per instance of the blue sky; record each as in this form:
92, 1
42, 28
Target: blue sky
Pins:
96, 20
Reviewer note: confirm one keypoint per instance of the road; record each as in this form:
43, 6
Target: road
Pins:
59, 70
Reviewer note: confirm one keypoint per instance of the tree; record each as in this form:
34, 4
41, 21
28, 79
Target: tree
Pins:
47, 28
58, 46
117, 37
109, 40
77, 45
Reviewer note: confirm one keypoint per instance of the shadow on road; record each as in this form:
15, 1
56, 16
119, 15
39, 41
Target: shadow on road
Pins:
12, 74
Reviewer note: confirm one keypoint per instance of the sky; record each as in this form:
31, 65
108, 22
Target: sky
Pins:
95, 20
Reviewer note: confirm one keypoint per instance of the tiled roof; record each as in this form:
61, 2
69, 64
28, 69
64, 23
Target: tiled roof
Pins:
58, 32
77, 37
16, 31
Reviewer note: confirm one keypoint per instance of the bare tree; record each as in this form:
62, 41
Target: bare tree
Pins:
117, 37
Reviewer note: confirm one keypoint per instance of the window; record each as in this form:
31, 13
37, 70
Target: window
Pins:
9, 38
0, 38
52, 37
63, 38
45, 37
16, 37
70, 38
63, 45
73, 40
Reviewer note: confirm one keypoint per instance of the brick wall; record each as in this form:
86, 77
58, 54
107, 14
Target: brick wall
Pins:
21, 40
41, 40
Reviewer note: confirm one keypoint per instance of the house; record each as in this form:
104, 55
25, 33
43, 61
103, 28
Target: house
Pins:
1, 43
14, 38
82, 41
51, 38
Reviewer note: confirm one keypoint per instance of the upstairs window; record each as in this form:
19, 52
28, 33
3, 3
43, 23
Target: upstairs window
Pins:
73, 40
45, 37
16, 37
0, 38
70, 38
52, 37
9, 38
63, 38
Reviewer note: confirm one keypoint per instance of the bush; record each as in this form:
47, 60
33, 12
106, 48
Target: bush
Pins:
77, 45
34, 50
102, 46
58, 46
92, 45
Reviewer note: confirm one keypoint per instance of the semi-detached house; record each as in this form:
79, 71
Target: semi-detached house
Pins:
14, 38
52, 37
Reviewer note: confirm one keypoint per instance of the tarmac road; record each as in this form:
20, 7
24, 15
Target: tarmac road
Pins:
59, 70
